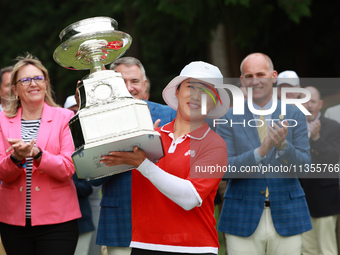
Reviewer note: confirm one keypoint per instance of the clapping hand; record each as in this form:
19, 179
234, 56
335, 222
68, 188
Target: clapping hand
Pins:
21, 148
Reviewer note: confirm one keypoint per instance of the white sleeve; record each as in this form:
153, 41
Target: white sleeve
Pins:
180, 191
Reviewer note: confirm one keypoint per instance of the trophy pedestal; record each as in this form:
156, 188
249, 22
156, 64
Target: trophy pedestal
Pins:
118, 126
86, 161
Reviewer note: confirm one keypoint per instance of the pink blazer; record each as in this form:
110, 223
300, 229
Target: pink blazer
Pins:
53, 196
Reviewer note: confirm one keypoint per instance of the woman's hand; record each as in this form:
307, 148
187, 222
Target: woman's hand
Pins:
133, 158
21, 149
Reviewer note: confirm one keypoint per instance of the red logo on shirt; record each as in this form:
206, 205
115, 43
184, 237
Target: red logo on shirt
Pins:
190, 152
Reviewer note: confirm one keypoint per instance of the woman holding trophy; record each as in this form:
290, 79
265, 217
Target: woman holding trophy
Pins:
172, 204
39, 204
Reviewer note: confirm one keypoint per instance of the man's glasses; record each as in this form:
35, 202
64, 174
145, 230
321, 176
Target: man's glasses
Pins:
27, 81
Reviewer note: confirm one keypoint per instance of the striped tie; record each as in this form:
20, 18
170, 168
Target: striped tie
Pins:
262, 130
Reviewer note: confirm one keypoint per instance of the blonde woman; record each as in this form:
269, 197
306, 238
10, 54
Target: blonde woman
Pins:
39, 201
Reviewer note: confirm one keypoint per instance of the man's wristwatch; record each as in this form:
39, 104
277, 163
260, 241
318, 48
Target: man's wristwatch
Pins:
283, 146
39, 154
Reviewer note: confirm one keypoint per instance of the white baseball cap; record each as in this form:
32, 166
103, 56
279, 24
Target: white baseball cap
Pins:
204, 72
70, 101
288, 77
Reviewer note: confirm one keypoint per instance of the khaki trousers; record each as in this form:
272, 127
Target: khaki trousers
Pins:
118, 250
265, 240
322, 239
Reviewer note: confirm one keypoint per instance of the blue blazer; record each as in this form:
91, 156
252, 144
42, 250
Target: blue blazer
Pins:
245, 196
114, 228
162, 112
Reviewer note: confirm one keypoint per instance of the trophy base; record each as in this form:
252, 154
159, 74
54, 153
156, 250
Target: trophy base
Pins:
116, 126
87, 160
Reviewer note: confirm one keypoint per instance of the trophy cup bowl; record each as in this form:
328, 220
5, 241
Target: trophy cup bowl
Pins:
91, 44
109, 118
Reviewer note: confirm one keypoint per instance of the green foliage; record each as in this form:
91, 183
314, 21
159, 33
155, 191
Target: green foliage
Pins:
244, 3
167, 34
296, 9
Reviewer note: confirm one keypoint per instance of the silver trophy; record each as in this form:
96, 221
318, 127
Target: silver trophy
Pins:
109, 118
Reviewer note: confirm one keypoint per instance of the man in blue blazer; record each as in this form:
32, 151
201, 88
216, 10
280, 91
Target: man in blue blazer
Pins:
114, 228
264, 212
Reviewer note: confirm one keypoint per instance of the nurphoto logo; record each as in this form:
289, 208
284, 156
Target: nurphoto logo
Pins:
238, 103
238, 100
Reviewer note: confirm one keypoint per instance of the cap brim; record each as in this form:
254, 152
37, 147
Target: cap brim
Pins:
169, 96
282, 83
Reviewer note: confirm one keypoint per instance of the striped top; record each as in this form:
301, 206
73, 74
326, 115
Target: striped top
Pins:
29, 130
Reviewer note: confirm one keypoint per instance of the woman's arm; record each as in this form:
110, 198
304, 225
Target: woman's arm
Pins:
179, 190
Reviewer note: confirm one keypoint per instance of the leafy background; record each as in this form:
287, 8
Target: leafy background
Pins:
300, 35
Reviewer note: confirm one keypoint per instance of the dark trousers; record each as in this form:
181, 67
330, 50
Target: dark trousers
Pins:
53, 239
136, 251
